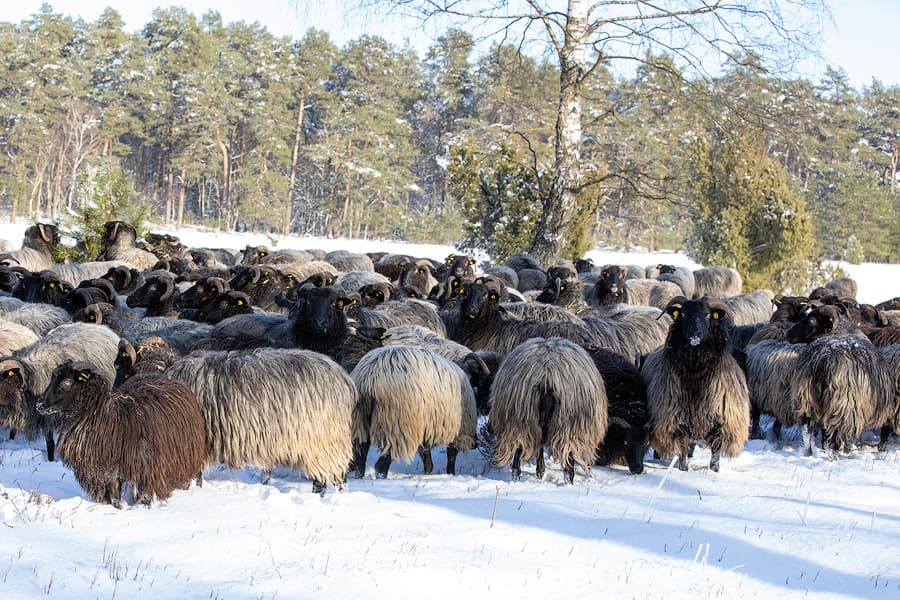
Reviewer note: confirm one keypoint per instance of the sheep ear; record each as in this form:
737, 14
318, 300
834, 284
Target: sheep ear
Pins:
10, 368
170, 289
84, 375
126, 350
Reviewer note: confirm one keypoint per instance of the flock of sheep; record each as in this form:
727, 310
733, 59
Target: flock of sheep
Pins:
156, 360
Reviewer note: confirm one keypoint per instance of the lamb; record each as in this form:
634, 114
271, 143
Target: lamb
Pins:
119, 245
547, 392
696, 391
411, 398
485, 325
149, 432
36, 253
274, 407
627, 416
716, 282
34, 364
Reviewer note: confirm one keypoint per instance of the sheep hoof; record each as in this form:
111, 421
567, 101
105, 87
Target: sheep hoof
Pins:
516, 476
319, 487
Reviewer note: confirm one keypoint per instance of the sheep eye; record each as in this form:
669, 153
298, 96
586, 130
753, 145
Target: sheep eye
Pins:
449, 261
715, 315
330, 281
263, 253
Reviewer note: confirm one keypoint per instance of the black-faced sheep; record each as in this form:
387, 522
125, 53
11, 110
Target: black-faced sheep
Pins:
227, 304
696, 391
45, 288
485, 325
613, 288
148, 432
36, 253
547, 392
788, 310
119, 244
274, 408
717, 282
627, 416
411, 399
201, 293
151, 356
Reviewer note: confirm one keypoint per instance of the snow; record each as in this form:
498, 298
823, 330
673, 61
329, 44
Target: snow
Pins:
771, 524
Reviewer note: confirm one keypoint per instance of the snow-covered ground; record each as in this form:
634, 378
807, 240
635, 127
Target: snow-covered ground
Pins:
771, 524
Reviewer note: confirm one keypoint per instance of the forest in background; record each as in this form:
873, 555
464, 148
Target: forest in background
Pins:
229, 126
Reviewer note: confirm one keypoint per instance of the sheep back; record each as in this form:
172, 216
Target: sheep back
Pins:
717, 282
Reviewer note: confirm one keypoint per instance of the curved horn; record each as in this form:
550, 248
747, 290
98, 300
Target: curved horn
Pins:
218, 283
170, 289
126, 350
44, 236
115, 230
620, 422
94, 309
10, 363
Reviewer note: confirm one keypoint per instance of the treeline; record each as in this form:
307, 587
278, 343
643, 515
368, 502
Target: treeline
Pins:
230, 126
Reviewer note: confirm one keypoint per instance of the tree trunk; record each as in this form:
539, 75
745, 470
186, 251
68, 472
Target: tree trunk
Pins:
295, 155
226, 169
559, 204
181, 191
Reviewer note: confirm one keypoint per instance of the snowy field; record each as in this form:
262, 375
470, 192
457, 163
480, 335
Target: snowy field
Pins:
771, 524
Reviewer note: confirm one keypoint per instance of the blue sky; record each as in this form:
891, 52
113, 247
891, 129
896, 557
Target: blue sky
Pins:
860, 40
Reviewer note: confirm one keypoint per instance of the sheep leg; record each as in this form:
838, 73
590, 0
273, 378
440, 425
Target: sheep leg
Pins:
382, 465
12, 434
683, 455
319, 487
452, 451
199, 478
112, 493
265, 476
569, 469
539, 469
755, 414
886, 431
358, 463
425, 454
516, 467
776, 429
51, 444
806, 429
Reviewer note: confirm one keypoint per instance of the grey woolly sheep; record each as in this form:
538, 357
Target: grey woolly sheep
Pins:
301, 271
75, 273
39, 318
484, 324
538, 311
522, 260
628, 329
843, 287
771, 366
346, 261
392, 265
746, 309
274, 408
151, 356
14, 336
262, 255
181, 334
411, 399
891, 356
354, 280
418, 276
634, 272
119, 244
36, 253
716, 282
35, 364
650, 292
406, 311
149, 432
531, 279
696, 391
683, 277
547, 392
505, 273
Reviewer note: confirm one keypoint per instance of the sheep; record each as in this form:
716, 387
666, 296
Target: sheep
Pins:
696, 392
119, 245
124, 279
770, 368
11, 279
411, 398
263, 284
843, 287
259, 255
567, 293
149, 432
683, 277
36, 253
274, 407
35, 364
203, 256
374, 294
485, 325
891, 356
44, 287
788, 310
164, 246
14, 336
841, 383
509, 277
613, 288
75, 273
531, 279
627, 416
317, 322
716, 282
181, 334
227, 304
547, 392
419, 277
151, 356
536, 311
39, 318
522, 260
349, 261
629, 329
406, 311
157, 295
456, 265
354, 280
745, 309
391, 265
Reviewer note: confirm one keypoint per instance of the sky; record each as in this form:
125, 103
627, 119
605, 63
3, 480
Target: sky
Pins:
858, 40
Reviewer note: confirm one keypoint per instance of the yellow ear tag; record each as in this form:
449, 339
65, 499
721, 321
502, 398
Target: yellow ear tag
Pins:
51, 285
240, 302
675, 314
82, 376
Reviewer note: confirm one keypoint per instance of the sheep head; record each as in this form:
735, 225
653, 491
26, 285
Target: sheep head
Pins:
41, 235
12, 387
584, 265
699, 323
610, 287
478, 301
201, 293
44, 287
820, 321
73, 390
126, 357
157, 290
319, 319
789, 308
373, 294
227, 304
